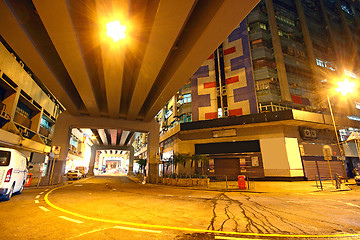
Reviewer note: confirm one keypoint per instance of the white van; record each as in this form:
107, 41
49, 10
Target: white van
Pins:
13, 172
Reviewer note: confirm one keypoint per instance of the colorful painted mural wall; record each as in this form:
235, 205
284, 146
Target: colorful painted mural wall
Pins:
224, 84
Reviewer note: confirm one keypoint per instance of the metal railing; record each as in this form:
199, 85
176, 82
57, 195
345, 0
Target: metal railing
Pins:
318, 182
216, 182
224, 182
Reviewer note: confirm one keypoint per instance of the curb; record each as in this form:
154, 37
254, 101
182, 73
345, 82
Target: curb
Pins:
315, 190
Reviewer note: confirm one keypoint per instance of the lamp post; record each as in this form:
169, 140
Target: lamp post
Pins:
337, 138
344, 88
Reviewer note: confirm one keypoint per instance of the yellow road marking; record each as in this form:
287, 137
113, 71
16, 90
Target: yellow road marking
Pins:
137, 229
41, 193
46, 198
234, 238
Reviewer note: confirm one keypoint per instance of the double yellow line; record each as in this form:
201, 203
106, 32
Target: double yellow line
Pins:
46, 198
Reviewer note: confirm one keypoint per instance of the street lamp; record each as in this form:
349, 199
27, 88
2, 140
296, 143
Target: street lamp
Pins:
344, 88
115, 30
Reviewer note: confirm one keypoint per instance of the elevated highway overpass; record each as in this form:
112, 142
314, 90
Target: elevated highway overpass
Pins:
116, 85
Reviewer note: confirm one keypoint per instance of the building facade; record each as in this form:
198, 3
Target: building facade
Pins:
28, 112
259, 105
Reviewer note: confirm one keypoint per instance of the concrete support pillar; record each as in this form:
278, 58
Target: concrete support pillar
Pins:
332, 36
348, 33
131, 161
279, 58
317, 75
307, 38
60, 139
281, 157
92, 161
152, 149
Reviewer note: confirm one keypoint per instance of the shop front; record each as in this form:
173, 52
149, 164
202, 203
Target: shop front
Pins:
227, 160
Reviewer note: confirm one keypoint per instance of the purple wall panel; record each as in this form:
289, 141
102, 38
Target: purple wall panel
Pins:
199, 100
244, 61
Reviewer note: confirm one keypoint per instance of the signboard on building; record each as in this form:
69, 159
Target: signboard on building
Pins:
56, 150
242, 162
255, 161
302, 151
224, 133
354, 136
327, 153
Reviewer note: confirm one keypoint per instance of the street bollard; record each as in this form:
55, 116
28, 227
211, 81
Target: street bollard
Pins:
338, 181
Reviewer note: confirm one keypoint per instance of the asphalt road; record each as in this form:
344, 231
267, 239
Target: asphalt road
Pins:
116, 208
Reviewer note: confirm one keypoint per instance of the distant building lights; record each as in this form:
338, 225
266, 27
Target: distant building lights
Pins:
350, 74
355, 118
346, 9
325, 64
357, 105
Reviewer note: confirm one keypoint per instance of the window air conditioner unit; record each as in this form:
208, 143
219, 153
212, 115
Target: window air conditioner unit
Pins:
313, 133
307, 132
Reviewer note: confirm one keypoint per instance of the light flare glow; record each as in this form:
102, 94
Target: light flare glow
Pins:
345, 87
115, 30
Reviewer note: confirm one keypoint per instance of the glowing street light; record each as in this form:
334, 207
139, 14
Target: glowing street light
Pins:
115, 30
345, 87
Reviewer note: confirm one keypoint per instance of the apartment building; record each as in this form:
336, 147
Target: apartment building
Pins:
259, 105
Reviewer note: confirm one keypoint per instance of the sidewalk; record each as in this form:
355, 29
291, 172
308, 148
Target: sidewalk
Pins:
296, 186
270, 186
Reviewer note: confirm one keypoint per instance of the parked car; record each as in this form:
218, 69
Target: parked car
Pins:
82, 170
74, 174
13, 172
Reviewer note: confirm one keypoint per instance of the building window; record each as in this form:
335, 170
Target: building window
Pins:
220, 113
346, 9
262, 86
330, 65
23, 110
168, 113
45, 124
185, 118
257, 25
320, 63
187, 98
350, 74
263, 26
285, 20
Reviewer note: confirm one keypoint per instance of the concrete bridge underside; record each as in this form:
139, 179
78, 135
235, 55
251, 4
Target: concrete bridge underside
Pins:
115, 85
66, 122
95, 148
